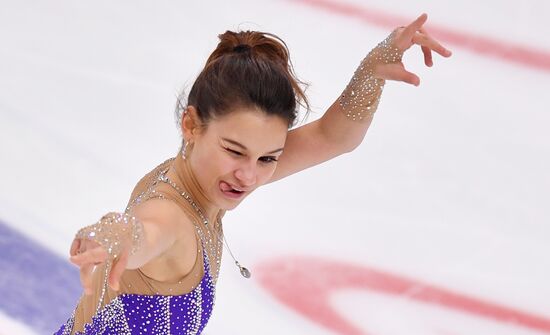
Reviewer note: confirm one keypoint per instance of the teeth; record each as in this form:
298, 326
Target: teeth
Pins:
236, 189
229, 187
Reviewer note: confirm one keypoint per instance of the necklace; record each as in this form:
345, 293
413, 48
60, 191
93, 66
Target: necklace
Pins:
221, 237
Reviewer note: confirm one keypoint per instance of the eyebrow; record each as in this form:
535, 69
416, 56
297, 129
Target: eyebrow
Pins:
245, 148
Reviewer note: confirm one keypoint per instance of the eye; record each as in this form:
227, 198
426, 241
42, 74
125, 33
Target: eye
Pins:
268, 159
233, 152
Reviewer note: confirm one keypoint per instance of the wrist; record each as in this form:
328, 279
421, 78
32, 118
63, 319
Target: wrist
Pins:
360, 99
115, 232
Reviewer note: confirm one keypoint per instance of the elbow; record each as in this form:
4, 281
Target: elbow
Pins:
340, 143
349, 149
351, 144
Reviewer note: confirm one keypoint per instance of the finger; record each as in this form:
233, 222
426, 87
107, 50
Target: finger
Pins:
89, 244
74, 247
86, 278
94, 256
426, 41
428, 60
398, 73
414, 26
116, 271
89, 256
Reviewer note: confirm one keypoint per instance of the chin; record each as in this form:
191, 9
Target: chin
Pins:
229, 204
227, 207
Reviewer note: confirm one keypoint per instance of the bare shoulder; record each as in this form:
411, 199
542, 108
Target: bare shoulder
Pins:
167, 215
145, 182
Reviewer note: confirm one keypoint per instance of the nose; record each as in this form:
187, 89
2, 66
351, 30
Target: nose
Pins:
246, 174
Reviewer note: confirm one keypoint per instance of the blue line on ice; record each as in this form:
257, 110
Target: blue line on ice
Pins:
37, 287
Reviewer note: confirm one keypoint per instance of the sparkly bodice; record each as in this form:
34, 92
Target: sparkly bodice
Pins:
130, 314
144, 305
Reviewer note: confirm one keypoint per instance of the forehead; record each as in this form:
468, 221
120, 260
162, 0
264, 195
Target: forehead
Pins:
251, 127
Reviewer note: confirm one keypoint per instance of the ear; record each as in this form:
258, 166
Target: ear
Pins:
190, 123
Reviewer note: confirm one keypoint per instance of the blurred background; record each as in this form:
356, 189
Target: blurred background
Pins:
437, 224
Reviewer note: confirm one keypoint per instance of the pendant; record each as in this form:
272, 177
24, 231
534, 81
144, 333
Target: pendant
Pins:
245, 272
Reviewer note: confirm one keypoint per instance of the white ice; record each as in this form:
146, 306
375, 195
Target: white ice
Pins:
451, 185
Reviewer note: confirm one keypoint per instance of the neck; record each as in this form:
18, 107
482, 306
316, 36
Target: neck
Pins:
182, 174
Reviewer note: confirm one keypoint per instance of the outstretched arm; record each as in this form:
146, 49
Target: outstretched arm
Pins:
344, 125
124, 241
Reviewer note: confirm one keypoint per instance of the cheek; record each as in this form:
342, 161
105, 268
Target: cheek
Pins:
222, 164
265, 173
212, 165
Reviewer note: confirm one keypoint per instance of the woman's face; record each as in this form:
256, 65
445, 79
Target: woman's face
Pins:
236, 154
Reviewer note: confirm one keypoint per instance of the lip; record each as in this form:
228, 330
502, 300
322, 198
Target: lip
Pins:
230, 194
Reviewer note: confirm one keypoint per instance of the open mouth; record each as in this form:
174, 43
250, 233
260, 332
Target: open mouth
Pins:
230, 190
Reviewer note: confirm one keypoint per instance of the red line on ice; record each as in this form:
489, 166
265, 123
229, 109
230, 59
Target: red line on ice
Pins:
305, 284
510, 52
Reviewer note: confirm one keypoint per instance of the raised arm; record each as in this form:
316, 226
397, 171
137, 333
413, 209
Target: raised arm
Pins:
344, 125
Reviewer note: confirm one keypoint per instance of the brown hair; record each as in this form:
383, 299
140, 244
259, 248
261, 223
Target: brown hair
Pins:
248, 69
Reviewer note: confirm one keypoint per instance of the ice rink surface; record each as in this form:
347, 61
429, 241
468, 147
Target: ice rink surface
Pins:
438, 223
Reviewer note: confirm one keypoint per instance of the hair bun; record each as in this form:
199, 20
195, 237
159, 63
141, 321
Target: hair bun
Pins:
255, 43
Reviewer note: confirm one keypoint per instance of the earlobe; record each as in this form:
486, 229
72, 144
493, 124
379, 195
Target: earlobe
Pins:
189, 122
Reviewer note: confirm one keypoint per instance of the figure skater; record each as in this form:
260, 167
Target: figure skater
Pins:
152, 269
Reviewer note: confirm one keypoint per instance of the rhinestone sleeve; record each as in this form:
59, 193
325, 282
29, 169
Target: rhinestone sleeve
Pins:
115, 231
361, 97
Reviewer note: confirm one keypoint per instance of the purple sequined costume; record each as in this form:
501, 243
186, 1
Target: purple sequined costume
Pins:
153, 314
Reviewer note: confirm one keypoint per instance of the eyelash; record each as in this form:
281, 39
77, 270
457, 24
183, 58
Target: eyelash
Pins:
264, 159
268, 159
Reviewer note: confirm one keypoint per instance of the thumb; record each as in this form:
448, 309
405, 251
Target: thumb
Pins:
74, 247
398, 72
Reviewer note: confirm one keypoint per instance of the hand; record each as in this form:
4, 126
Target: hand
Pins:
403, 39
87, 254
